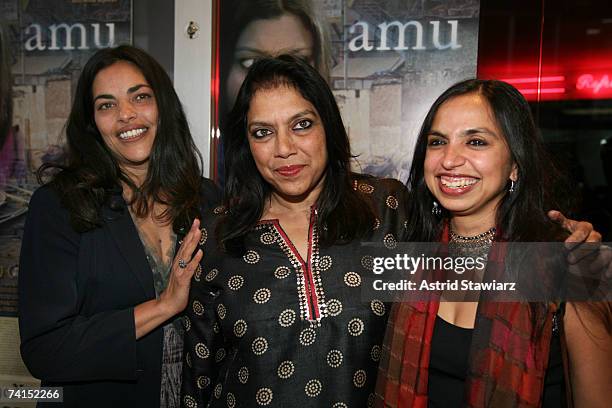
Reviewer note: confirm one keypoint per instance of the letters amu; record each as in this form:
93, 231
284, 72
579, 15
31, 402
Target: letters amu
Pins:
362, 40
35, 41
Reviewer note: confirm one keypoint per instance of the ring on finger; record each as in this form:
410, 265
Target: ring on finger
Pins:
182, 264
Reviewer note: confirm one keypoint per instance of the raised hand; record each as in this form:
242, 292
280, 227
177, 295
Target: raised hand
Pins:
174, 298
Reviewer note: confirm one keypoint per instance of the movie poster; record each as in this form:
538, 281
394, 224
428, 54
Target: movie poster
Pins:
386, 61
44, 45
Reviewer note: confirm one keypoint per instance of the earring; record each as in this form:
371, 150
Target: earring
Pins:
512, 187
436, 210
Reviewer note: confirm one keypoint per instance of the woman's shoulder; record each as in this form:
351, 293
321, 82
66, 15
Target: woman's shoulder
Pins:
388, 198
46, 197
210, 194
46, 211
212, 215
377, 187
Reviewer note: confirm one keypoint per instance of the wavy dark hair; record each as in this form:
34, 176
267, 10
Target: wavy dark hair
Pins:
521, 216
90, 175
343, 214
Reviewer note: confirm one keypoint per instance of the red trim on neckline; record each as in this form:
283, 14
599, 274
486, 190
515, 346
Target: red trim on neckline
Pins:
312, 301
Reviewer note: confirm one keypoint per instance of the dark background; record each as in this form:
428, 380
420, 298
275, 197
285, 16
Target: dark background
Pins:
526, 39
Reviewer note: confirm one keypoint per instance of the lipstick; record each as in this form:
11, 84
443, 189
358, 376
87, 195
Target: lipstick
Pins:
290, 171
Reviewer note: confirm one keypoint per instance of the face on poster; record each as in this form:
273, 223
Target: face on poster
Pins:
386, 62
44, 46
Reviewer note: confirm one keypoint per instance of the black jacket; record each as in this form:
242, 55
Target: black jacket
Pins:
77, 293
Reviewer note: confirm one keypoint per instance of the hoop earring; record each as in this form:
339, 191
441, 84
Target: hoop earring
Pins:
512, 188
436, 210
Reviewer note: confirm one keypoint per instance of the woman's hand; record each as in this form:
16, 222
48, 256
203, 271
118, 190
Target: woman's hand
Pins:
174, 298
581, 231
586, 257
149, 315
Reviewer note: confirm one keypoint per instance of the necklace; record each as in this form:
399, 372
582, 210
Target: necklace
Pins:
474, 246
486, 236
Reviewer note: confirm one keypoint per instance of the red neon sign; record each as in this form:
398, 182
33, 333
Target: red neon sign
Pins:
577, 84
550, 87
593, 84
542, 91
534, 80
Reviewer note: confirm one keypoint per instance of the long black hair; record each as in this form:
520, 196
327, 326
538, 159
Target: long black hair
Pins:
343, 213
91, 174
240, 14
521, 216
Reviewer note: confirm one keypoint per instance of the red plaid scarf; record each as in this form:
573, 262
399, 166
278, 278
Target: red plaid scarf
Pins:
507, 363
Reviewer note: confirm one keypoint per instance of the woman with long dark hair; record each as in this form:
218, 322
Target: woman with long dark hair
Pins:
110, 241
276, 316
480, 175
265, 29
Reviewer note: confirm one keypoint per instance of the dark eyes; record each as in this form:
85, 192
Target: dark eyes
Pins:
435, 142
105, 106
300, 125
259, 133
246, 62
139, 98
303, 124
438, 141
477, 142
142, 97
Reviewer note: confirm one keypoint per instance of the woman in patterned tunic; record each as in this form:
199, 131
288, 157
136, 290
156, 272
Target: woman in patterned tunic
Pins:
275, 315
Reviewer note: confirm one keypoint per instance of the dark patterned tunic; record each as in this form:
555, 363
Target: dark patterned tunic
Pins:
272, 329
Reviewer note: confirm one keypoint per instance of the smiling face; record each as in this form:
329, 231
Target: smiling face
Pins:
468, 164
125, 112
267, 38
287, 141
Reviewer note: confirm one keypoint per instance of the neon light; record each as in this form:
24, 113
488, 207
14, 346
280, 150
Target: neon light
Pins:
588, 81
541, 48
543, 91
534, 79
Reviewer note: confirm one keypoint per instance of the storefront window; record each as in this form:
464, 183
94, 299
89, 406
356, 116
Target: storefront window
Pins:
558, 54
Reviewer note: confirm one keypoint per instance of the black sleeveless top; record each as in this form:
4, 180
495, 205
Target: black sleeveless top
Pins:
448, 365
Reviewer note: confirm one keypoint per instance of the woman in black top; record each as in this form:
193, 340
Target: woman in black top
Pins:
103, 273
480, 176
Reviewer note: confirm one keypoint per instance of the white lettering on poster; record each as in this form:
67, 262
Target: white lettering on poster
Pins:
361, 42
61, 36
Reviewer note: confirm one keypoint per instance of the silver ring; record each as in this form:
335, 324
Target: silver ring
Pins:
182, 264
